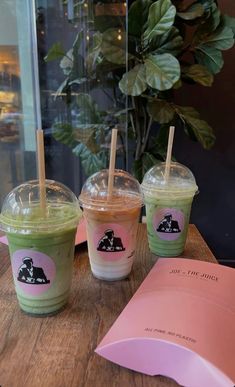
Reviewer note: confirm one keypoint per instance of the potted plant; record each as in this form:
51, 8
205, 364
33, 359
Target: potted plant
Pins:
170, 43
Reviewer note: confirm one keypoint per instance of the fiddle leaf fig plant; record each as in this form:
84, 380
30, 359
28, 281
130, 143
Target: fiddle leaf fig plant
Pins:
170, 43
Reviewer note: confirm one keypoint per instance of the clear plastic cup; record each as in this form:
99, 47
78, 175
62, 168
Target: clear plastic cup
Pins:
41, 244
111, 223
168, 206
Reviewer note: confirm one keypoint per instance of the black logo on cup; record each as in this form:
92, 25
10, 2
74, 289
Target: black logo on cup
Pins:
30, 274
168, 225
110, 243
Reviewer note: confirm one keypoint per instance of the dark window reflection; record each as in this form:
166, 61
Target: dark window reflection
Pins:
80, 98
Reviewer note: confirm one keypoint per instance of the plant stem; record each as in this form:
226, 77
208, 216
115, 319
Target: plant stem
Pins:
132, 124
137, 129
146, 135
144, 124
108, 95
123, 147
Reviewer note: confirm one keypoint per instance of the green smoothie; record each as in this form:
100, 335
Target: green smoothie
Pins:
158, 245
57, 246
41, 244
168, 206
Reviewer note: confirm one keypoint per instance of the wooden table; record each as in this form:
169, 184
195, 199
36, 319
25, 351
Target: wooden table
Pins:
58, 351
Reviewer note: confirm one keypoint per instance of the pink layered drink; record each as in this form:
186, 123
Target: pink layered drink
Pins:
111, 223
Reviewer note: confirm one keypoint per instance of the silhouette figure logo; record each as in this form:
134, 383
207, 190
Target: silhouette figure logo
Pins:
30, 274
168, 225
110, 243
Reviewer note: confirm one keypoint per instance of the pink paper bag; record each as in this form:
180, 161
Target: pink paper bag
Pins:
180, 323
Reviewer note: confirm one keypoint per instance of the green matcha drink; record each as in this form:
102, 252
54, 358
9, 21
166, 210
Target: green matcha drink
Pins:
41, 244
168, 206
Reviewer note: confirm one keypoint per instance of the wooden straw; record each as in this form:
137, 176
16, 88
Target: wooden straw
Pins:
41, 169
169, 151
112, 162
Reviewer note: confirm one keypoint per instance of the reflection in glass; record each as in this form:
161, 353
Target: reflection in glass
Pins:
17, 138
82, 56
82, 51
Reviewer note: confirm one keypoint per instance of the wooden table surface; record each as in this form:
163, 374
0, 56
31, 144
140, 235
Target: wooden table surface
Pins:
58, 351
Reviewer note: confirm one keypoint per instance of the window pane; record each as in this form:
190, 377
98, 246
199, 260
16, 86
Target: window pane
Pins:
17, 125
80, 98
81, 54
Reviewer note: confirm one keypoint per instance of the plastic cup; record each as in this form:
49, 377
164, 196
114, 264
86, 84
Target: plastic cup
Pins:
111, 223
168, 206
41, 244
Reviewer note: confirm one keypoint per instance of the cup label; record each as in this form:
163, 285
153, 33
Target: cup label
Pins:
111, 241
168, 223
33, 271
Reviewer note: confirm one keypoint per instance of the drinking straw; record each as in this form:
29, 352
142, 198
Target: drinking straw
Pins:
169, 151
37, 107
34, 58
41, 170
112, 162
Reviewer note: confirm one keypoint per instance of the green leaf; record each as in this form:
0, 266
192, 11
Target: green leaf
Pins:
66, 63
160, 19
134, 82
78, 40
86, 134
91, 163
162, 71
161, 111
137, 16
222, 39
97, 40
190, 111
229, 21
177, 85
171, 42
113, 46
78, 68
94, 52
63, 132
62, 88
209, 57
207, 4
209, 25
202, 131
214, 19
55, 52
159, 143
77, 81
141, 166
199, 74
89, 113
194, 11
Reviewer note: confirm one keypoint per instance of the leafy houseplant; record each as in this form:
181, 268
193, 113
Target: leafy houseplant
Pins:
170, 43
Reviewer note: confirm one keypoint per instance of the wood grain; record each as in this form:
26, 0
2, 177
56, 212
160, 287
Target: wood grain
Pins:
58, 351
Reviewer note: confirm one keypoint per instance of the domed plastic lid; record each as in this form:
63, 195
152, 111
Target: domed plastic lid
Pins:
126, 191
21, 211
181, 180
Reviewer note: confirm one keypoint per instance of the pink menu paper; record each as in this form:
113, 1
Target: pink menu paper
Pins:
180, 323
